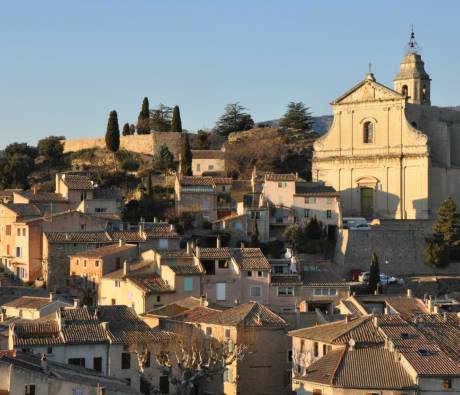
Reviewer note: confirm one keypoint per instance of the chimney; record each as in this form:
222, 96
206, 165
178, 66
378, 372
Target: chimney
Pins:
52, 296
44, 362
385, 310
125, 268
444, 316
436, 309
2, 316
76, 303
34, 189
204, 301
409, 293
218, 242
188, 247
120, 243
155, 220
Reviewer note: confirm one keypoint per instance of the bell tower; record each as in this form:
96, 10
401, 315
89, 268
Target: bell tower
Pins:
412, 80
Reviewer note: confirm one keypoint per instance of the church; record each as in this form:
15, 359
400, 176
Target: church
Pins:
389, 152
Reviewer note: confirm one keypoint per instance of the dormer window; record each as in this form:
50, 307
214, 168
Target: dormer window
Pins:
368, 132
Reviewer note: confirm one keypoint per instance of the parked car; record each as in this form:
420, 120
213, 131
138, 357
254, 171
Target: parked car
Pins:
387, 280
361, 227
364, 277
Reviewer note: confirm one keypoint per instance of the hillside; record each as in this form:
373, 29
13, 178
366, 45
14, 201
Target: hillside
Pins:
321, 124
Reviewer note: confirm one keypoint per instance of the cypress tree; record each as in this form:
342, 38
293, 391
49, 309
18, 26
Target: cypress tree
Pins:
149, 186
374, 274
132, 129
143, 119
255, 233
176, 124
186, 157
126, 131
112, 136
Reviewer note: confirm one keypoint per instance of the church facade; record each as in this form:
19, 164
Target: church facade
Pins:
389, 152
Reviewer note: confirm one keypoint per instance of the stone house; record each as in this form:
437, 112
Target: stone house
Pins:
32, 307
234, 275
208, 162
22, 373
144, 285
106, 339
209, 197
265, 368
87, 267
409, 354
74, 187
22, 226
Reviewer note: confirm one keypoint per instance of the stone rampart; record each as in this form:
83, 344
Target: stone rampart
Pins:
400, 243
147, 144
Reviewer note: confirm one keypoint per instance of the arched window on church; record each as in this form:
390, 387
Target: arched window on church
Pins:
368, 132
404, 90
424, 93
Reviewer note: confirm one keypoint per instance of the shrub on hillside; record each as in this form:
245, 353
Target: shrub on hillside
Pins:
129, 165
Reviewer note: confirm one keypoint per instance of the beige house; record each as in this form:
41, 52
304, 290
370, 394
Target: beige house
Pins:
22, 373
389, 152
106, 339
265, 366
389, 354
32, 307
207, 162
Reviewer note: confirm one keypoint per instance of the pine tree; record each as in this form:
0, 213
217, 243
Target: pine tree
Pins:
112, 136
297, 116
447, 225
374, 274
186, 157
235, 119
143, 126
176, 123
255, 233
125, 131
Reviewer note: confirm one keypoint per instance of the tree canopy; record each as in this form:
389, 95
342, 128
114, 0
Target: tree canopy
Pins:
374, 274
297, 116
176, 123
143, 120
160, 118
112, 136
16, 164
234, 119
125, 130
51, 148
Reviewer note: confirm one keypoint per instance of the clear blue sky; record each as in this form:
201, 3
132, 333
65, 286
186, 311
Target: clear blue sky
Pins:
65, 64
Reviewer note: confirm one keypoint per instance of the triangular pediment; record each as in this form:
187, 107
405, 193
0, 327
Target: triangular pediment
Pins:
368, 90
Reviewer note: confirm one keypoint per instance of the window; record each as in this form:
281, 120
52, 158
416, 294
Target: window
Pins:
163, 245
96, 263
310, 200
77, 262
280, 185
49, 350
117, 283
223, 264
328, 214
368, 132
210, 167
198, 167
8, 249
289, 356
260, 274
8, 230
118, 262
404, 90
256, 291
208, 331
220, 291
125, 360
97, 364
447, 384
324, 349
424, 94
315, 349
325, 291
227, 333
306, 213
188, 284
209, 267
84, 263
77, 362
249, 273
228, 377
329, 201
158, 298
29, 389
83, 227
285, 291
205, 205
302, 345
18, 231
18, 252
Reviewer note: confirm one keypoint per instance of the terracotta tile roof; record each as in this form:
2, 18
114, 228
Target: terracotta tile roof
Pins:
251, 314
314, 189
207, 154
361, 329
405, 305
185, 269
102, 252
196, 181
175, 254
78, 237
352, 308
24, 209
37, 333
222, 180
280, 177
197, 314
77, 182
246, 258
284, 279
168, 310
161, 230
28, 302
127, 236
150, 283
41, 196
423, 353
134, 268
363, 368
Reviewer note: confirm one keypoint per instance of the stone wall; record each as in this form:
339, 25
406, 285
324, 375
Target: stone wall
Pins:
147, 144
400, 243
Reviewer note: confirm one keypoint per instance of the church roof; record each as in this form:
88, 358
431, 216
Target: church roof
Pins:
386, 93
